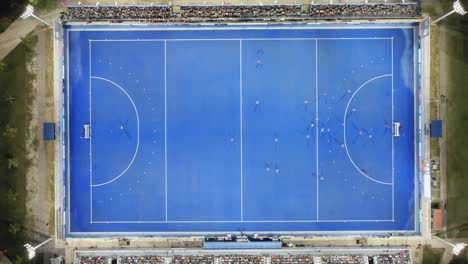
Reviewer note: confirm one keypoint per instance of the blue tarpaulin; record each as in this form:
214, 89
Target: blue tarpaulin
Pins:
436, 128
48, 131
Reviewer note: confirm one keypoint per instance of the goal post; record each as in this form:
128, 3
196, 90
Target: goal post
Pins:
396, 129
87, 131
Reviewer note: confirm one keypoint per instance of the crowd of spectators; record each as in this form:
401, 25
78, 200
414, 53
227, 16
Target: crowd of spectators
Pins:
345, 259
401, 258
241, 259
91, 260
292, 259
115, 13
240, 12
278, 12
202, 259
140, 260
374, 10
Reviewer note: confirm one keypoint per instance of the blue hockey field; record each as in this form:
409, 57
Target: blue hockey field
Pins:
271, 129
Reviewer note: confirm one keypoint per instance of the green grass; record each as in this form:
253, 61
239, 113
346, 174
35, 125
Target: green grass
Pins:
460, 259
435, 147
434, 93
15, 97
456, 130
456, 133
432, 255
44, 5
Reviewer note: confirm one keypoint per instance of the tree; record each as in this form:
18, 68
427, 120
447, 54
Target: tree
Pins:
10, 99
13, 228
10, 132
19, 260
2, 66
13, 163
12, 196
35, 3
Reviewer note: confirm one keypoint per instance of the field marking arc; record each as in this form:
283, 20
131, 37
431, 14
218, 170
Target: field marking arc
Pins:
344, 129
138, 132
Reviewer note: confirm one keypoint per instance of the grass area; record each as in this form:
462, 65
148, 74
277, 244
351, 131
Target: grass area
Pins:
434, 108
15, 96
50, 146
435, 147
434, 63
456, 133
460, 259
432, 255
434, 93
44, 5
456, 125
50, 155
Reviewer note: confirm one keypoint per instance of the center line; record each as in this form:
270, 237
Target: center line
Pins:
241, 164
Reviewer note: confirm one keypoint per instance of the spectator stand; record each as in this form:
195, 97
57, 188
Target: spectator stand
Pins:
239, 13
281, 256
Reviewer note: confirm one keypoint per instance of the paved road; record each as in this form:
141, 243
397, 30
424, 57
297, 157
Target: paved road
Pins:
19, 29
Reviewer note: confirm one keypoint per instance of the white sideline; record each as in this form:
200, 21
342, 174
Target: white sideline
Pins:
241, 136
165, 127
393, 148
231, 39
238, 221
241, 151
316, 132
90, 140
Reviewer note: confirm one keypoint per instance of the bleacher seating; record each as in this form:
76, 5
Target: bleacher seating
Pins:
276, 12
381, 258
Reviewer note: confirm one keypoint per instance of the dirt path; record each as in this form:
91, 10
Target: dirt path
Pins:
41, 173
36, 183
42, 187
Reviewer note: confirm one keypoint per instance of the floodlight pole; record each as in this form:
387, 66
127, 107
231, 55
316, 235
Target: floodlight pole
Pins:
457, 8
29, 12
456, 249
32, 250
40, 19
43, 243
444, 16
